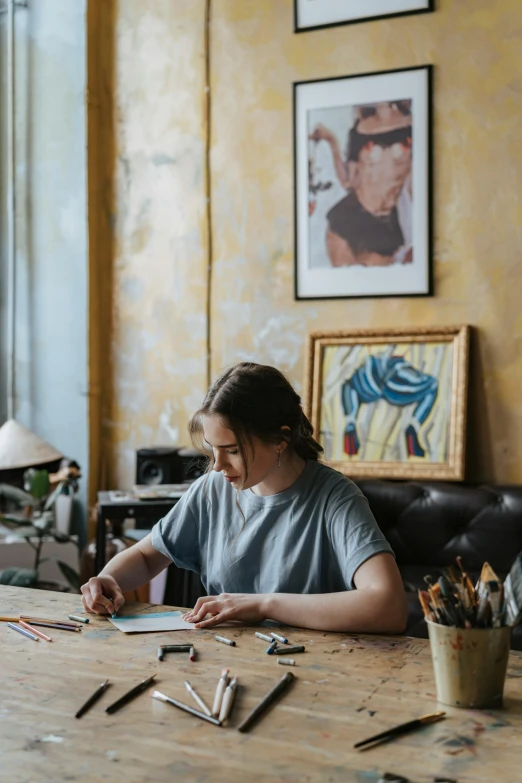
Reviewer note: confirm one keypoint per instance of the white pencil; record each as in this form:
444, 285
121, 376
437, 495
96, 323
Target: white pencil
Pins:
22, 630
228, 700
199, 701
220, 690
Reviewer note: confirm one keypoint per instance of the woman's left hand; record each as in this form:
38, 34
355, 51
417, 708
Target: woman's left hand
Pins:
227, 606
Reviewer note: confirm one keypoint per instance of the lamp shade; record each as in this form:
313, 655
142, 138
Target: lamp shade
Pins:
21, 448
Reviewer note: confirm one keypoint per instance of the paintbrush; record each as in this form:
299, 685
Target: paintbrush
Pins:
466, 581
484, 609
424, 598
513, 593
403, 728
495, 602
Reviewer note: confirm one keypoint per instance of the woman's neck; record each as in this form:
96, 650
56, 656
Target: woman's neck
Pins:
281, 478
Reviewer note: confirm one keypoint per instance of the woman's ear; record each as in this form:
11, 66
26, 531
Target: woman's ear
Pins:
285, 435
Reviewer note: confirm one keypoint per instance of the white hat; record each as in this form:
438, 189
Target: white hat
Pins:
21, 448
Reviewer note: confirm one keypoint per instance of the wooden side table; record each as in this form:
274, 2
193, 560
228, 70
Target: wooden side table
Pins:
147, 511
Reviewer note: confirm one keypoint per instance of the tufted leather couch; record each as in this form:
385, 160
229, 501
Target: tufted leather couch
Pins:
429, 523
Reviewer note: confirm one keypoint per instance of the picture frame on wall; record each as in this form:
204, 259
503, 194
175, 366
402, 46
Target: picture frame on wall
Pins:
362, 180
390, 403
317, 14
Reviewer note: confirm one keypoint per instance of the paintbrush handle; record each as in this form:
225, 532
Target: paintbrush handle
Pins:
129, 695
402, 728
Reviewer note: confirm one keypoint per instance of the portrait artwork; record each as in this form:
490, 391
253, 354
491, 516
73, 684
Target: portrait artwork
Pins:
362, 215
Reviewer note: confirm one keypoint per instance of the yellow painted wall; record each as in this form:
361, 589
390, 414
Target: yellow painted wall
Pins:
160, 274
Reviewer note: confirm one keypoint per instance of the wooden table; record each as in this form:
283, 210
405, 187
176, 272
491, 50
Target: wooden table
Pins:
348, 687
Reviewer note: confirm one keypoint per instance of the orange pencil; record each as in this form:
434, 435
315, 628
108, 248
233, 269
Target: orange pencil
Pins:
36, 631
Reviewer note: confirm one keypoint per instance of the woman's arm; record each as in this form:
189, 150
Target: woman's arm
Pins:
127, 571
321, 133
378, 605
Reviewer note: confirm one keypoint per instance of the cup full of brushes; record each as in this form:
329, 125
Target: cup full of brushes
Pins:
469, 627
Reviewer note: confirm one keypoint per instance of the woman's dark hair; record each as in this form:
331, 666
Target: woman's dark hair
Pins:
256, 400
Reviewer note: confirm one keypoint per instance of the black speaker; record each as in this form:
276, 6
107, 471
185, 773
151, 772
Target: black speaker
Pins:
194, 464
159, 465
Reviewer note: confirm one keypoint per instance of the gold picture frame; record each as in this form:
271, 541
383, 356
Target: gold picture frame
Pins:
390, 403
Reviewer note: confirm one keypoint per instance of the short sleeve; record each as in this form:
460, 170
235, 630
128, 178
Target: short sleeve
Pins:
355, 537
177, 535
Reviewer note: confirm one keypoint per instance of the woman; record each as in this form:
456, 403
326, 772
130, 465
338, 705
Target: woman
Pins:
371, 225
274, 533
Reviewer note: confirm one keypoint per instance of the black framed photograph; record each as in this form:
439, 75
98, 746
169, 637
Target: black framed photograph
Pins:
362, 168
315, 14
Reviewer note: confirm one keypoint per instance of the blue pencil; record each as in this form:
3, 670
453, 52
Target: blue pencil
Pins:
22, 630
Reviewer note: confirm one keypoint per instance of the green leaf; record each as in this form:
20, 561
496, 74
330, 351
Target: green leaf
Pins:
37, 482
18, 577
53, 496
70, 574
10, 519
16, 494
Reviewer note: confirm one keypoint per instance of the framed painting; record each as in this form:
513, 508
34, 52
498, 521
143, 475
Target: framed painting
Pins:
362, 179
315, 14
390, 403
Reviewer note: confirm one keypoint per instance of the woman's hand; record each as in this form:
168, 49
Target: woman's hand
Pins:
322, 133
102, 595
227, 606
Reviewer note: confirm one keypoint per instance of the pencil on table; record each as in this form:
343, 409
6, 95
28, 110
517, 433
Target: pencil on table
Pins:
41, 634
42, 620
23, 631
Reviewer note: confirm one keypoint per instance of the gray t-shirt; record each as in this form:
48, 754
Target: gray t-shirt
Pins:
311, 538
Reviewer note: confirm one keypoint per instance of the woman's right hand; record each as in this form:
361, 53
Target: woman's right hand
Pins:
102, 595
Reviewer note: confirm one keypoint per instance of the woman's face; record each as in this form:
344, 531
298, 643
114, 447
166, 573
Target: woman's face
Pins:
262, 459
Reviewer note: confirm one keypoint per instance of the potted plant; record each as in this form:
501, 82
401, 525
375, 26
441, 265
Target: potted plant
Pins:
33, 521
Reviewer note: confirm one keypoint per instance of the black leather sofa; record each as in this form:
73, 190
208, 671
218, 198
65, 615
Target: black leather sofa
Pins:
429, 523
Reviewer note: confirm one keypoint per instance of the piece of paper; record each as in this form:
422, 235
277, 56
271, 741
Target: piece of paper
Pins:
149, 623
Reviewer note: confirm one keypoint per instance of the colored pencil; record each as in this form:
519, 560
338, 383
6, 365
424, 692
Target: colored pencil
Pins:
22, 630
29, 619
58, 626
41, 634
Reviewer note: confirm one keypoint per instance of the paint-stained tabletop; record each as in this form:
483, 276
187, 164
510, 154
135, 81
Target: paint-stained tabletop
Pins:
347, 688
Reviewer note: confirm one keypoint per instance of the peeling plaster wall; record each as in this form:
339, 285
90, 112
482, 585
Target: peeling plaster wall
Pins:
475, 47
